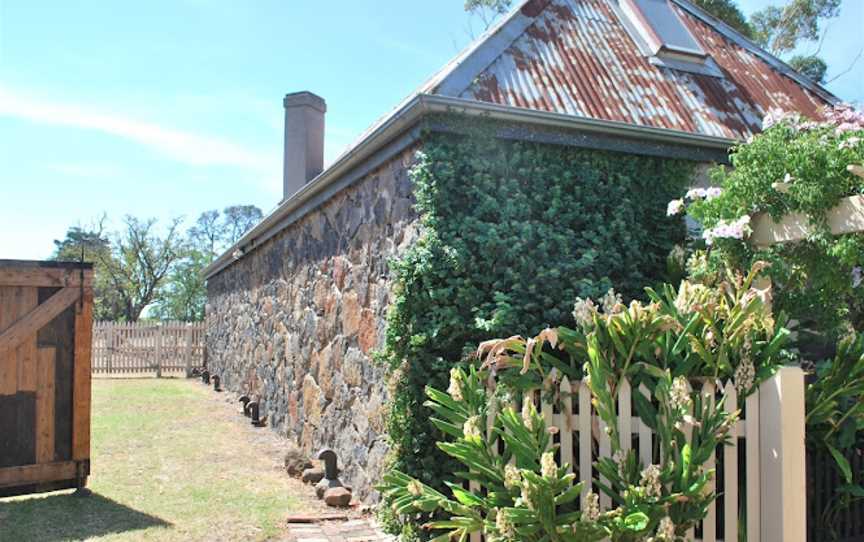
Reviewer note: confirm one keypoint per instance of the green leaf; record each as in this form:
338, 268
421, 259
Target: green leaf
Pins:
637, 521
841, 461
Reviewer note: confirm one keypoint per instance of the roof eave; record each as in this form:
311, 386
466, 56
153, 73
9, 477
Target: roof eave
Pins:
422, 104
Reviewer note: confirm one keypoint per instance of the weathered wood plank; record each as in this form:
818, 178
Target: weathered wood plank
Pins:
753, 452
60, 334
625, 422
567, 424
45, 405
43, 276
846, 217
8, 361
15, 334
27, 300
81, 382
585, 442
33, 474
709, 524
730, 471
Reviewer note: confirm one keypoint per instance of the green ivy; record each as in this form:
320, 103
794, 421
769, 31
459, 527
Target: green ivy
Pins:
512, 233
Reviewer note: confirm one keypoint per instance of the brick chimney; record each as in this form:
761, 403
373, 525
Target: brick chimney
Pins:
304, 140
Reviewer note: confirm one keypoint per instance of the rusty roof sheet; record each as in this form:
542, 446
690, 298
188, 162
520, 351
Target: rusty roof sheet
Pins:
576, 57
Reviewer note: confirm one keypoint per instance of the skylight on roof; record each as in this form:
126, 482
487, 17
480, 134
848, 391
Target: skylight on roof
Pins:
661, 28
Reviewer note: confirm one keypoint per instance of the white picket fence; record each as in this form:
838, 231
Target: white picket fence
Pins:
770, 432
146, 349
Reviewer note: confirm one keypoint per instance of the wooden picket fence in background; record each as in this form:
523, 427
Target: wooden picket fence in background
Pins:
147, 349
766, 456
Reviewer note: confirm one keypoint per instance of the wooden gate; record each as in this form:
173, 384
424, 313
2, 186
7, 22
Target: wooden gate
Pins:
46, 311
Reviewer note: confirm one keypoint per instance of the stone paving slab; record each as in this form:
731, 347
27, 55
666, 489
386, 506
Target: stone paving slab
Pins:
355, 530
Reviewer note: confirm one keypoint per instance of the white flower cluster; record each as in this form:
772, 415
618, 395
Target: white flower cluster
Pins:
528, 413
665, 531
455, 387
548, 467
857, 276
679, 395
471, 428
612, 302
527, 497
737, 229
591, 507
619, 458
674, 207
584, 311
512, 478
650, 481
415, 488
744, 376
504, 526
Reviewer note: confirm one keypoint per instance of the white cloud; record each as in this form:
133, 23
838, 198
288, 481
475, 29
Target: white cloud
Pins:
187, 147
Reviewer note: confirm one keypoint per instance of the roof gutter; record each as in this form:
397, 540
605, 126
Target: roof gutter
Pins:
408, 115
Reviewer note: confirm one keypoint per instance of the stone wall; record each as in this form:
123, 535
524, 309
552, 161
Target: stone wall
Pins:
295, 321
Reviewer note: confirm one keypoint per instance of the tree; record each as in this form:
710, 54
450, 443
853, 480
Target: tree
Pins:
92, 243
728, 12
487, 10
810, 66
185, 293
207, 235
780, 29
140, 263
238, 219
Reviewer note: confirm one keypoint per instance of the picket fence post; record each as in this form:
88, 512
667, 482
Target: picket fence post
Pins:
187, 352
783, 506
109, 343
159, 350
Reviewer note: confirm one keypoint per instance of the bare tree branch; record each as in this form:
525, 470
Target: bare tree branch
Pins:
849, 68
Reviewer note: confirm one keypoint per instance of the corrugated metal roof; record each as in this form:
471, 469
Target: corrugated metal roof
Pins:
576, 57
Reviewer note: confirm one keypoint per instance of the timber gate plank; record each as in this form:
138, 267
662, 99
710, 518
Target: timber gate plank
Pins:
45, 340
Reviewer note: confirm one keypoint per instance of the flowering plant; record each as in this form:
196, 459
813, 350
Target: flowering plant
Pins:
674, 494
522, 495
796, 165
721, 329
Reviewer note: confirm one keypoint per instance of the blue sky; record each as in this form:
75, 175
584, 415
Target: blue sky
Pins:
171, 107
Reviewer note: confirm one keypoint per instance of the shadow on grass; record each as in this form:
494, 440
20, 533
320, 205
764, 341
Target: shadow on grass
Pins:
64, 516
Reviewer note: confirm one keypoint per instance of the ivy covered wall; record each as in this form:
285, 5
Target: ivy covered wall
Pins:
512, 233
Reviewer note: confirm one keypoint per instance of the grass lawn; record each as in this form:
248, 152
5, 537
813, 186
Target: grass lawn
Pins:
171, 460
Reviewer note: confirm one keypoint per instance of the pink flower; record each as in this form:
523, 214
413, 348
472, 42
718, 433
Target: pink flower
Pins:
713, 192
737, 229
695, 193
